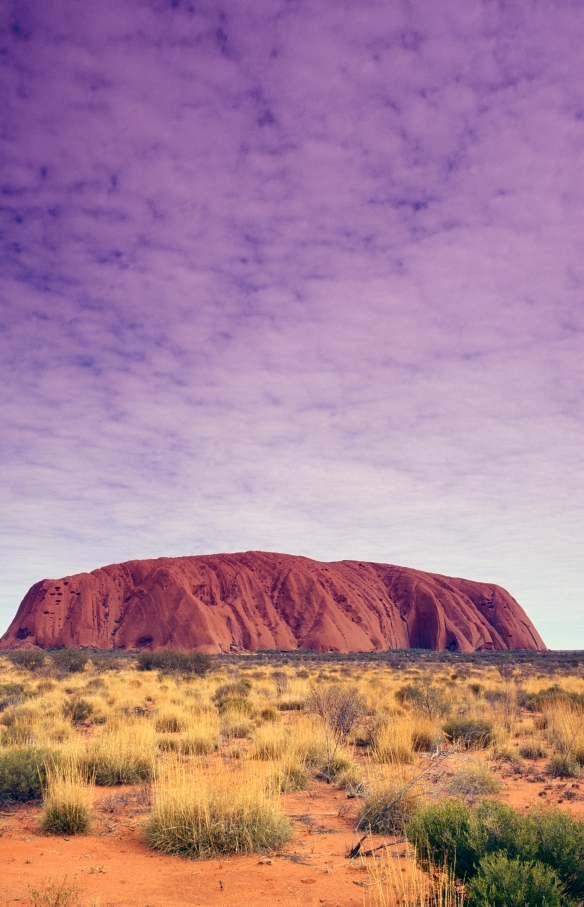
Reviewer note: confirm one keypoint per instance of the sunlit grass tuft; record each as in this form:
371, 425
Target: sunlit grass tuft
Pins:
198, 813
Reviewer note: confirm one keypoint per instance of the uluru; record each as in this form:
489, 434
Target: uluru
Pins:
257, 600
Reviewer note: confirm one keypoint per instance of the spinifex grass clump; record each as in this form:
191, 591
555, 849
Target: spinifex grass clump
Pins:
389, 803
270, 743
67, 801
201, 814
125, 753
395, 885
201, 735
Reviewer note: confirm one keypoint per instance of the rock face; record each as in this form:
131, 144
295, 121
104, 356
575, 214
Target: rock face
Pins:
256, 600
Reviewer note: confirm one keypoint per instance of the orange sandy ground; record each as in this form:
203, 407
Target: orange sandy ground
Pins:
112, 865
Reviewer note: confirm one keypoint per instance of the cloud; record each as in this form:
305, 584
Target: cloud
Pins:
296, 277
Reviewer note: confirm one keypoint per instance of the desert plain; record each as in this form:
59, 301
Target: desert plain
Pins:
161, 779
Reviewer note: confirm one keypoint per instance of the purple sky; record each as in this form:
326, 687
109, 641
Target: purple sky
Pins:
296, 276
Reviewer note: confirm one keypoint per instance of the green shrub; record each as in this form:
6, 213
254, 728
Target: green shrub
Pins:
241, 706
504, 882
469, 732
442, 835
560, 844
78, 710
532, 749
497, 827
451, 834
69, 661
169, 661
29, 659
23, 773
562, 767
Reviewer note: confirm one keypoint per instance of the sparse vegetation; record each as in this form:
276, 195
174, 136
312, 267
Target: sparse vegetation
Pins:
219, 747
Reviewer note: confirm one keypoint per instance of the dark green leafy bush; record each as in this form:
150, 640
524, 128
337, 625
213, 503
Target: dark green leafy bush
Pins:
504, 882
560, 844
450, 833
169, 661
468, 731
497, 827
442, 835
23, 773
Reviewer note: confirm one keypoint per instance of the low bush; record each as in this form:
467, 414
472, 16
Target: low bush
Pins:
69, 661
19, 735
442, 835
496, 827
562, 767
451, 834
501, 882
532, 749
425, 697
234, 725
473, 782
169, 661
230, 704
560, 844
78, 710
23, 772
388, 807
289, 776
29, 659
507, 754
469, 732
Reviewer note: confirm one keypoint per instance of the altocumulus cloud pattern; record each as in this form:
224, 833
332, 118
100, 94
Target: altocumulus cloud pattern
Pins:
296, 276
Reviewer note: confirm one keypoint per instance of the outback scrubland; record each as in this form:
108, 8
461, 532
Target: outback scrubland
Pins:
408, 778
